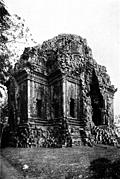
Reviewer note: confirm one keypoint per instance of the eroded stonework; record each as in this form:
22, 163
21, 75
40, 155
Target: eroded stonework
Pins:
62, 86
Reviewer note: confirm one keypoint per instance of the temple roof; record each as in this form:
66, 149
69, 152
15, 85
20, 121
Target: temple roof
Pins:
66, 52
70, 51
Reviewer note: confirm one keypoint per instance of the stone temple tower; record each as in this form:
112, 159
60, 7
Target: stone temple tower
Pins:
60, 81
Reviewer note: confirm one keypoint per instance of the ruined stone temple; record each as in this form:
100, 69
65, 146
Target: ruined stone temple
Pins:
60, 81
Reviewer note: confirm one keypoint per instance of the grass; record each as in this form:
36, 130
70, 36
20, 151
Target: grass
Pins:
63, 163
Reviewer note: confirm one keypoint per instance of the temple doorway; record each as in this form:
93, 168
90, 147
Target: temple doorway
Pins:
97, 101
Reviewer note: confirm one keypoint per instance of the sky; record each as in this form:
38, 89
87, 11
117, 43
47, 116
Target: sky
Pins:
96, 20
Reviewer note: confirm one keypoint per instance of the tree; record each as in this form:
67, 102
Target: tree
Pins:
19, 37
4, 25
14, 37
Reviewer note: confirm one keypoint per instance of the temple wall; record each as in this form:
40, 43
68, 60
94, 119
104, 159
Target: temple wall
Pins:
38, 98
73, 96
86, 101
56, 99
23, 101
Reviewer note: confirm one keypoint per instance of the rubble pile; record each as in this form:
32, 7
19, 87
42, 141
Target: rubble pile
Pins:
99, 135
29, 137
54, 138
104, 136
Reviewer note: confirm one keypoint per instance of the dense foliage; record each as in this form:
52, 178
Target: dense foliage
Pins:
4, 25
14, 37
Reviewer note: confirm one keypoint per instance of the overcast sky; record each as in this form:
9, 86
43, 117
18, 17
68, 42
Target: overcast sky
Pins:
96, 20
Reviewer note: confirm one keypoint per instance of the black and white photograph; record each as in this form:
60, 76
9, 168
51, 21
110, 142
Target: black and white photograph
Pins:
60, 89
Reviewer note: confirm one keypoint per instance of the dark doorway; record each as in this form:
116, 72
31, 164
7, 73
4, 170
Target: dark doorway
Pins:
39, 107
56, 108
96, 101
72, 107
97, 115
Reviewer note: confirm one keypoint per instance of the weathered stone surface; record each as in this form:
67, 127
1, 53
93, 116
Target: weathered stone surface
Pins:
61, 84
104, 135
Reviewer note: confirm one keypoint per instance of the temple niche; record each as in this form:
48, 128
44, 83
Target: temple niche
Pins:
60, 84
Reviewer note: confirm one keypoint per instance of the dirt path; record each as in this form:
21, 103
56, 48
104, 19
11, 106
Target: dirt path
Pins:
7, 171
